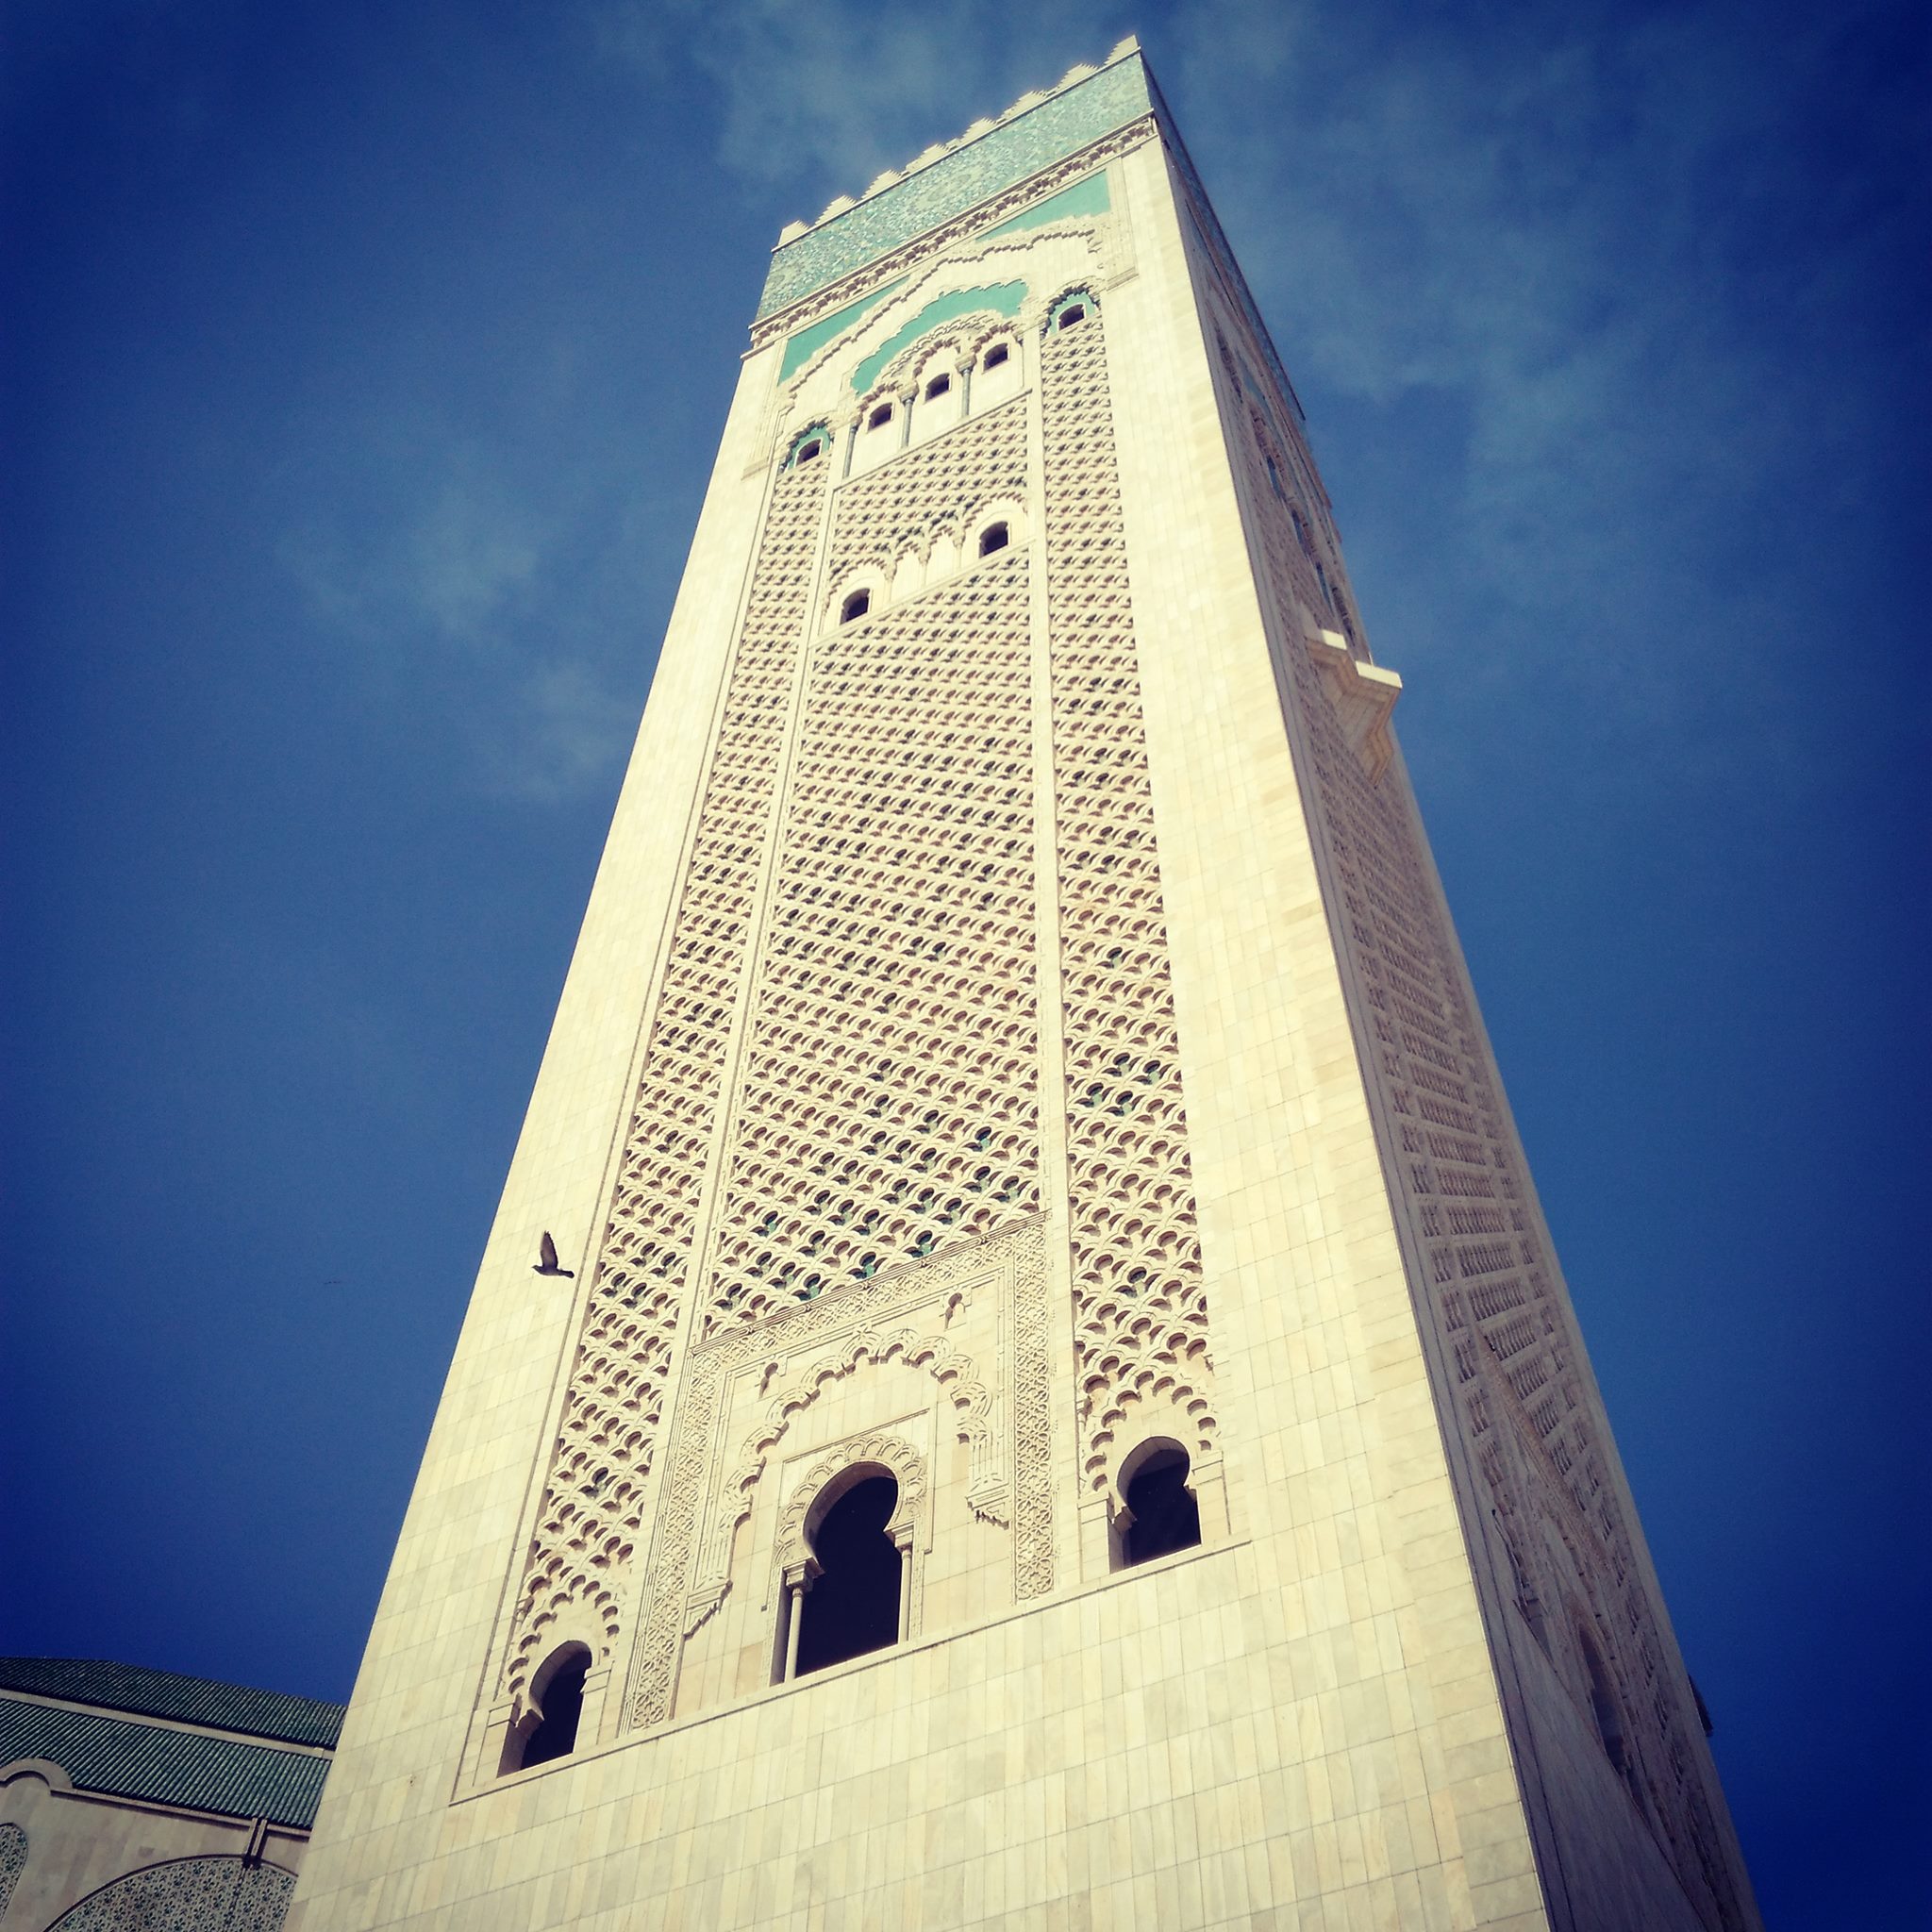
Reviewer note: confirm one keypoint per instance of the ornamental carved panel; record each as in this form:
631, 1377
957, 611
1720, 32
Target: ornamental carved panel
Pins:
934, 1356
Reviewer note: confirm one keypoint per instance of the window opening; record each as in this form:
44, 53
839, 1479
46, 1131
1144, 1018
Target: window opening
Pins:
561, 1704
807, 451
994, 356
855, 607
995, 537
852, 1609
937, 386
1603, 1704
1070, 316
879, 417
1166, 1516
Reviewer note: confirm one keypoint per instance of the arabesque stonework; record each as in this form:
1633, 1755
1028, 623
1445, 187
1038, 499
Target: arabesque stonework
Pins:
1017, 1046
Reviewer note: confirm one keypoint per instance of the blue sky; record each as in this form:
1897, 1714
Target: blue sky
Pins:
363, 369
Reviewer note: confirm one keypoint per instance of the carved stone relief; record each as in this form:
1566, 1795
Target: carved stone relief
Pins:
1140, 1307
751, 1387
1459, 1171
583, 1541
886, 1451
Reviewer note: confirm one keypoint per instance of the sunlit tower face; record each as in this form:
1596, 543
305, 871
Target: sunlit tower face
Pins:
1056, 1317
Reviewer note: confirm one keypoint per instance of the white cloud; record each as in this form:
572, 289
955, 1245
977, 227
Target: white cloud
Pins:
562, 734
413, 538
1549, 228
508, 632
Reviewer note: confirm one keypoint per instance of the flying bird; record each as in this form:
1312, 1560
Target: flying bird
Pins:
548, 1264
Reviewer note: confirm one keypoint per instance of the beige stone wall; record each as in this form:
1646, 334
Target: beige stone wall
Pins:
80, 1842
1301, 1722
1523, 1422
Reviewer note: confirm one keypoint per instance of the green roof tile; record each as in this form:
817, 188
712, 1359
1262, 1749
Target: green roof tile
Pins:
166, 1694
126, 1759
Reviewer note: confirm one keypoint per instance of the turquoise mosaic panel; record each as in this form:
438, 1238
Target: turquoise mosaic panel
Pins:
1003, 298
1088, 197
1039, 138
805, 343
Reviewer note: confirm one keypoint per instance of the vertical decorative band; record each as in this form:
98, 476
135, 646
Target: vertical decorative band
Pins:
593, 1491
1141, 1312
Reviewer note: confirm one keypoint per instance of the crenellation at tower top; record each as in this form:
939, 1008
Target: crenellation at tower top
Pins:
939, 150
1038, 130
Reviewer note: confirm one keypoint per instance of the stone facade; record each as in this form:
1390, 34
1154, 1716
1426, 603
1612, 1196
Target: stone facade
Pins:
136, 1798
1017, 1040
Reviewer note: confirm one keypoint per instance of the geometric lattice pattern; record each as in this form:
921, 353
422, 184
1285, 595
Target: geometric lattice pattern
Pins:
1140, 1314
842, 1072
1515, 1357
888, 1105
212, 1894
13, 1861
595, 1491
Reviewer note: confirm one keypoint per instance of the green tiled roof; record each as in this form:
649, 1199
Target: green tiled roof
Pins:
165, 1693
128, 1758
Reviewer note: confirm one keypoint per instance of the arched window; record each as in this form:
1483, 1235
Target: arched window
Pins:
1608, 1713
1275, 478
1070, 310
556, 1696
994, 356
937, 386
995, 537
855, 607
1602, 1701
1164, 1516
879, 417
853, 1605
807, 445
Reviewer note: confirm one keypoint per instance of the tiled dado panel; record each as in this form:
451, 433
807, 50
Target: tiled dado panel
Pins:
591, 1515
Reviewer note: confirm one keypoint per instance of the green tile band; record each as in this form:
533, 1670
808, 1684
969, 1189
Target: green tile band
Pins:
1003, 298
802, 347
1059, 126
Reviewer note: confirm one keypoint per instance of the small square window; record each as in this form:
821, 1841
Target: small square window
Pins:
807, 451
1070, 316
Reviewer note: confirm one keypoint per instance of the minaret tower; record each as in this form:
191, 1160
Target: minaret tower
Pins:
1052, 1401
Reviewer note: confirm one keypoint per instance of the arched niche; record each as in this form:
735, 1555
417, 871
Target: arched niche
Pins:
814, 1501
